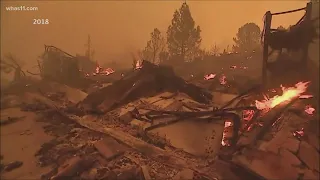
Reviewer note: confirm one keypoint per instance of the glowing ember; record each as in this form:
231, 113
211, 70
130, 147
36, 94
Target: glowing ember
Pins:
98, 69
309, 110
223, 80
272, 90
299, 133
243, 67
138, 65
287, 95
247, 115
233, 67
107, 71
225, 136
209, 76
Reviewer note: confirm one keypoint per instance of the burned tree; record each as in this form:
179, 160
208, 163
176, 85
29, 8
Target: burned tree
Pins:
10, 63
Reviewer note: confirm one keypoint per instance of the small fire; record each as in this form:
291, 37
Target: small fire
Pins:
245, 67
298, 133
247, 115
106, 72
287, 95
226, 132
223, 80
309, 109
138, 65
209, 76
98, 69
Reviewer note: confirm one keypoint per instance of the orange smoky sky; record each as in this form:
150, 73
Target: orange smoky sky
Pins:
120, 27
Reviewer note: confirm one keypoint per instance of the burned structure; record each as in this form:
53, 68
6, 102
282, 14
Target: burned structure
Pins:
296, 38
150, 123
62, 67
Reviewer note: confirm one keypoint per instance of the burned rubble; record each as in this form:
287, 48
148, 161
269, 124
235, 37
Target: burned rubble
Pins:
152, 124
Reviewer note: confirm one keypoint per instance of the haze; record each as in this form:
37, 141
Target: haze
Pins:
120, 27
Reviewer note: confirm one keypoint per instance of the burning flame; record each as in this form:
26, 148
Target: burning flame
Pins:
227, 126
247, 115
100, 70
138, 65
298, 133
309, 110
233, 67
209, 76
287, 95
223, 80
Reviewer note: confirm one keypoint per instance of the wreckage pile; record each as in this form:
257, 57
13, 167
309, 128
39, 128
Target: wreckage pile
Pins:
152, 124
144, 82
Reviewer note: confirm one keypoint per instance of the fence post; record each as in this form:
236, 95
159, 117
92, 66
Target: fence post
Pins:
305, 51
268, 18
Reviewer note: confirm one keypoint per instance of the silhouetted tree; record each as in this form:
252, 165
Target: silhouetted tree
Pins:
214, 51
154, 46
247, 38
281, 28
163, 56
183, 38
89, 52
9, 64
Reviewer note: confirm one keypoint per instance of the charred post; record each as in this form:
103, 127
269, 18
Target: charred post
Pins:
306, 47
268, 18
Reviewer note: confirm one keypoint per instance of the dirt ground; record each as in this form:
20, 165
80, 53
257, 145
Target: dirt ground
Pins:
20, 141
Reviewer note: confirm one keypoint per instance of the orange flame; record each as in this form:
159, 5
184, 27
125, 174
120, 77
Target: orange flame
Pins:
287, 95
309, 110
138, 65
209, 76
223, 80
227, 128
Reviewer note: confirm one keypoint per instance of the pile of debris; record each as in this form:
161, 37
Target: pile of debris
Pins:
143, 82
152, 124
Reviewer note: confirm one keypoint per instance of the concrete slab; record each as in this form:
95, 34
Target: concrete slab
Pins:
194, 136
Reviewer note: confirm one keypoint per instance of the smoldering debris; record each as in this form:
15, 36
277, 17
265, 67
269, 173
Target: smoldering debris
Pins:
134, 133
143, 82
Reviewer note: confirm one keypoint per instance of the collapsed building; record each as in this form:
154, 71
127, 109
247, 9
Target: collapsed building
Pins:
60, 66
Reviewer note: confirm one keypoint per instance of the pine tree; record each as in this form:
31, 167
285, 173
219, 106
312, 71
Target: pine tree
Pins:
155, 46
247, 38
183, 38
